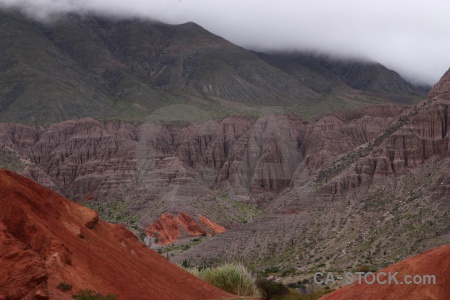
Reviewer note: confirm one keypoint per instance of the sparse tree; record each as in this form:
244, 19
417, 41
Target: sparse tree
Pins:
185, 264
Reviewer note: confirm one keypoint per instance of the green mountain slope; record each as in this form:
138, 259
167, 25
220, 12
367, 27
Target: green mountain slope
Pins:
79, 66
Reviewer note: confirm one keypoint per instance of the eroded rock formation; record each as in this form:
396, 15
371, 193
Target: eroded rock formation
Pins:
89, 160
169, 228
418, 135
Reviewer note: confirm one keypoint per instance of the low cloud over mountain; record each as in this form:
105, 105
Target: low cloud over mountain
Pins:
409, 37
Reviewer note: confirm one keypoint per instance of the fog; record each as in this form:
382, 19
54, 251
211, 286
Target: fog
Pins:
410, 37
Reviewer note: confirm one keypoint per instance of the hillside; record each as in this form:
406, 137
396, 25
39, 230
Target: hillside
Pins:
46, 239
89, 66
435, 262
323, 74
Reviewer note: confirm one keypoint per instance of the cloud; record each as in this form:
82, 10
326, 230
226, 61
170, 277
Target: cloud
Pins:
411, 37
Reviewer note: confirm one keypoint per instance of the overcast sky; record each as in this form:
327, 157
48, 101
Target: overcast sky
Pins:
410, 36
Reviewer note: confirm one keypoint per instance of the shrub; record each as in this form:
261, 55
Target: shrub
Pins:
64, 286
298, 285
365, 269
270, 288
271, 270
92, 295
185, 264
233, 278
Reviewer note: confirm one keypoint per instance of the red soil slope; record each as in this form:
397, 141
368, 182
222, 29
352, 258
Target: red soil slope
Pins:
434, 262
46, 239
167, 227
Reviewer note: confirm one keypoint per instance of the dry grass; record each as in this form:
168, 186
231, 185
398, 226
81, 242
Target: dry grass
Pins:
234, 278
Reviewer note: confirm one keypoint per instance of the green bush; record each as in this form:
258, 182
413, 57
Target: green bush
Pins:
92, 295
233, 278
64, 286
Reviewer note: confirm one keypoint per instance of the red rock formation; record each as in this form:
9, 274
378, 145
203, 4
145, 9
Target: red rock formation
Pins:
167, 228
46, 239
211, 225
190, 225
434, 262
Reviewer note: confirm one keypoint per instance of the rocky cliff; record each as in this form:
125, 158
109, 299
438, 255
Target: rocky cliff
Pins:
143, 171
418, 137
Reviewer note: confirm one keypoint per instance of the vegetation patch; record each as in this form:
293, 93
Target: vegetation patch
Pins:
64, 286
234, 278
92, 295
9, 160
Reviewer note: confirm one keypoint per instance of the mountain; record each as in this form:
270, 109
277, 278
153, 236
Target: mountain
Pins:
46, 239
323, 74
372, 205
209, 152
77, 66
435, 262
